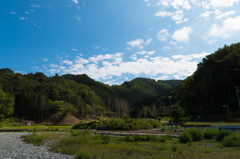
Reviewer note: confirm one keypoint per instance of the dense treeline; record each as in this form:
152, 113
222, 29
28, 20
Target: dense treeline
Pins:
37, 96
211, 86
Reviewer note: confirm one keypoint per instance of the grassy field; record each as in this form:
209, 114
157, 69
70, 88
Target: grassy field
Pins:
210, 123
37, 127
87, 145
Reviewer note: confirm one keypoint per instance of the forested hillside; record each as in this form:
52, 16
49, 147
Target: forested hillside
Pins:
36, 96
211, 86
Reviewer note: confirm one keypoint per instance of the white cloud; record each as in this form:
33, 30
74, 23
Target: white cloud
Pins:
34, 5
117, 58
139, 43
164, 77
68, 62
210, 42
222, 3
219, 14
163, 35
152, 28
178, 15
146, 52
75, 1
181, 3
205, 14
179, 47
175, 57
173, 43
142, 52
45, 59
148, 41
54, 65
182, 35
74, 49
180, 21
78, 18
158, 67
163, 14
23, 18
133, 56
13, 13
230, 26
166, 48
84, 5
96, 47
105, 49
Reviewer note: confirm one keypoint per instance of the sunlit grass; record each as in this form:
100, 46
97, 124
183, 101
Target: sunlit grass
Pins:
97, 146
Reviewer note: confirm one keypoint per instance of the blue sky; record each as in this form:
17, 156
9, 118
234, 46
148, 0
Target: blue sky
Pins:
114, 40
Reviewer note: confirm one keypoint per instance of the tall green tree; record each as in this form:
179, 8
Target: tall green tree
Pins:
6, 104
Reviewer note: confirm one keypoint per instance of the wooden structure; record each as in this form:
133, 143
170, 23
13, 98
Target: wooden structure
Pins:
27, 123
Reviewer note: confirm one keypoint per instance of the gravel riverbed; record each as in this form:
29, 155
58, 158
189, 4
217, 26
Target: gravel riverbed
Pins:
13, 147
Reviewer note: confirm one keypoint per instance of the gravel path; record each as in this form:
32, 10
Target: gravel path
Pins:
12, 147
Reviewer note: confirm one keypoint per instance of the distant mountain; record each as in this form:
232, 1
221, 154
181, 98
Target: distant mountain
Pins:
38, 96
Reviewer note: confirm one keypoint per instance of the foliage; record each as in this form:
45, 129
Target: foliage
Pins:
141, 138
119, 124
83, 155
196, 134
223, 133
211, 85
37, 96
185, 137
210, 134
6, 104
174, 147
232, 140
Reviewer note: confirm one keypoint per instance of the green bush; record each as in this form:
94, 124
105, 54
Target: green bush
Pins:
210, 134
222, 133
185, 137
161, 147
82, 155
196, 134
120, 124
174, 147
105, 139
232, 140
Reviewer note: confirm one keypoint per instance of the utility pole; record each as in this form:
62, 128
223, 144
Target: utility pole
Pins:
237, 91
170, 110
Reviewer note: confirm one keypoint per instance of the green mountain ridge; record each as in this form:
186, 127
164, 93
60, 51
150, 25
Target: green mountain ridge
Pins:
37, 96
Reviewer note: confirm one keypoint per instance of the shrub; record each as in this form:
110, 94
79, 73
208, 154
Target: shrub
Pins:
196, 134
174, 147
106, 139
163, 138
222, 133
208, 150
82, 155
185, 137
210, 134
232, 140
161, 147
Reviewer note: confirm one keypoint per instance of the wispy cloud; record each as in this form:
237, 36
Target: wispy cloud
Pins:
13, 13
84, 5
23, 18
105, 49
45, 59
75, 1
96, 47
74, 49
138, 43
35, 6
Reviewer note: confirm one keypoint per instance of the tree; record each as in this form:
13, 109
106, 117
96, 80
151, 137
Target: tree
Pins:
154, 112
178, 113
6, 104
